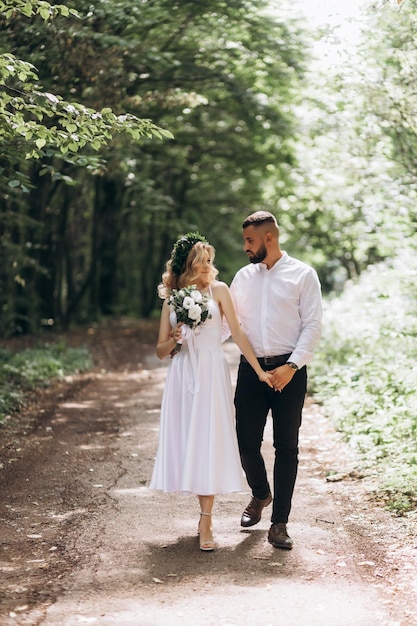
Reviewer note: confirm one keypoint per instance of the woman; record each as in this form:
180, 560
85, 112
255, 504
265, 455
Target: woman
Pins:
197, 452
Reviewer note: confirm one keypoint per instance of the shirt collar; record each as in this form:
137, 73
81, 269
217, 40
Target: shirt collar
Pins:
279, 262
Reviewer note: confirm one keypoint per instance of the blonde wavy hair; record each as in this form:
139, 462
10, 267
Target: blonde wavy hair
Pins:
190, 273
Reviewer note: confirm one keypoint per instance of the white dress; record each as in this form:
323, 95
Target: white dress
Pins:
198, 451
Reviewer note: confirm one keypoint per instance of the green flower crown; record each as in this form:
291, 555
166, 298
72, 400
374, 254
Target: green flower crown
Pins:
181, 250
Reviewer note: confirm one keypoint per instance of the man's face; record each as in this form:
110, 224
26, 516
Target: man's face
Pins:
254, 245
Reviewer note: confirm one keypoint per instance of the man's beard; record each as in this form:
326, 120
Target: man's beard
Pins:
259, 255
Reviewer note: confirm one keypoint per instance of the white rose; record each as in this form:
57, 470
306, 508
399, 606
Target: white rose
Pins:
187, 302
181, 293
196, 296
194, 312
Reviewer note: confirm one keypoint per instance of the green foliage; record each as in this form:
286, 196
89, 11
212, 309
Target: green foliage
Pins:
365, 179
365, 373
26, 111
38, 123
356, 194
46, 142
29, 8
220, 75
34, 368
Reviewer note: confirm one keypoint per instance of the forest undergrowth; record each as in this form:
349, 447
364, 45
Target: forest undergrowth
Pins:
365, 372
33, 368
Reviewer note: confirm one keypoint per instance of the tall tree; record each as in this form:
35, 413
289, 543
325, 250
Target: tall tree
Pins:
356, 193
221, 76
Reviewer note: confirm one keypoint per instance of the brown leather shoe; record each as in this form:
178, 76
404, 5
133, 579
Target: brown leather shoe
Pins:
252, 514
279, 537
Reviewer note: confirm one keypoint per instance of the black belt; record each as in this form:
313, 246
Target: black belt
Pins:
269, 360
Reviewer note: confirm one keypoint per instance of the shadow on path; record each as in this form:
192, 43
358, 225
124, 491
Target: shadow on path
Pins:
85, 542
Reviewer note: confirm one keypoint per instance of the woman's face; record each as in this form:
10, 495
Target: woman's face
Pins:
204, 266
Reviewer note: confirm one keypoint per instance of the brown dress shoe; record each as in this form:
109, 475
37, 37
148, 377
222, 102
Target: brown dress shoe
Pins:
252, 514
279, 537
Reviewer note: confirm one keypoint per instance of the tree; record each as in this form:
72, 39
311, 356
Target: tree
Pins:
221, 76
355, 199
37, 124
34, 120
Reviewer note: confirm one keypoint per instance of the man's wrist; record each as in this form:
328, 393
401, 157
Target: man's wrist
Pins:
292, 365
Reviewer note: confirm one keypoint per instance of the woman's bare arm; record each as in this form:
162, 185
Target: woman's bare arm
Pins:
167, 338
222, 294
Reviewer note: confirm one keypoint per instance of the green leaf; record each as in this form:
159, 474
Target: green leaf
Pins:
45, 13
27, 10
166, 133
156, 133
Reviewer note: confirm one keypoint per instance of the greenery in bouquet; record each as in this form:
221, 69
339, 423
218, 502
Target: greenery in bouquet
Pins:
190, 307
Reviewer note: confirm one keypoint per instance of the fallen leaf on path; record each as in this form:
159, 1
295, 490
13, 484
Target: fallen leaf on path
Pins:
335, 478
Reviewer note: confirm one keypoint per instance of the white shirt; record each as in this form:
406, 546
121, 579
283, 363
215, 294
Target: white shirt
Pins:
280, 309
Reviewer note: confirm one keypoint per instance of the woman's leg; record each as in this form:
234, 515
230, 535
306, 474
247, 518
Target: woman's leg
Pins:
205, 526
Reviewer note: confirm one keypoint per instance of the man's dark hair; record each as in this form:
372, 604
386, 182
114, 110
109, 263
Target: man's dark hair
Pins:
258, 218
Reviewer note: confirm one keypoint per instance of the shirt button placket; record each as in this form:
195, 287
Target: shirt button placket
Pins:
264, 312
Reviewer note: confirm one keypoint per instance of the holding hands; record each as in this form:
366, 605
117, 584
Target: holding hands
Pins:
266, 377
281, 376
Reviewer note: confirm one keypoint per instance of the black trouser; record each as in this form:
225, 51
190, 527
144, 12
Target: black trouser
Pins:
253, 400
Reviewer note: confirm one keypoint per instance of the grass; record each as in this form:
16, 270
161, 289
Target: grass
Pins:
32, 368
365, 375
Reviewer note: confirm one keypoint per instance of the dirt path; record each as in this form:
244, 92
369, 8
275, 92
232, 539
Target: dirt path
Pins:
85, 542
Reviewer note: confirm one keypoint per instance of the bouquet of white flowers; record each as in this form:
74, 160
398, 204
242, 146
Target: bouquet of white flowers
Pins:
190, 307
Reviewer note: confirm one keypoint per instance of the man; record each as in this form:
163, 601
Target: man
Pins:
278, 301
